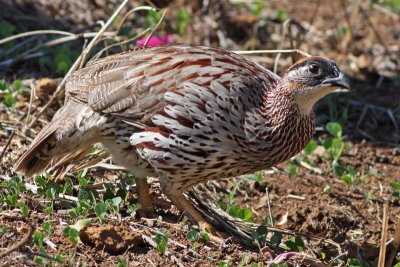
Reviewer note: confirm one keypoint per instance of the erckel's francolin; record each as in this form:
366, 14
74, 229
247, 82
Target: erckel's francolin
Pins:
185, 113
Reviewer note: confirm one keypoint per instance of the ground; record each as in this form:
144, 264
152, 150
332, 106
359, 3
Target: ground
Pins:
336, 212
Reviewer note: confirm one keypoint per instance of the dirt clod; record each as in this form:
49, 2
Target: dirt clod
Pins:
112, 239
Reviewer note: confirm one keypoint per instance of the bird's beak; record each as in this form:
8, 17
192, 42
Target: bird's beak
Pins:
341, 81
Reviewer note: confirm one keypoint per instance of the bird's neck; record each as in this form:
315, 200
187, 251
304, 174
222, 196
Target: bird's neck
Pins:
279, 128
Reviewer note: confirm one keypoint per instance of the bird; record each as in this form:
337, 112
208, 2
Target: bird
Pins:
186, 114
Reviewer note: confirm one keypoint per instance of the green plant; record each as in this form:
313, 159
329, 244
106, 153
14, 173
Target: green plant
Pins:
291, 168
282, 14
295, 244
72, 234
334, 146
24, 209
337, 113
38, 241
152, 18
258, 177
6, 30
240, 213
311, 147
161, 240
224, 263
195, 235
260, 235
10, 91
121, 262
396, 189
100, 209
3, 230
182, 20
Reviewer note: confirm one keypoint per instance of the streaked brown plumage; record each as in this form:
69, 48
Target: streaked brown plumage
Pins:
185, 113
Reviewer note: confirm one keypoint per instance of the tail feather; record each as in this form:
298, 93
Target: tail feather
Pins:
57, 142
32, 162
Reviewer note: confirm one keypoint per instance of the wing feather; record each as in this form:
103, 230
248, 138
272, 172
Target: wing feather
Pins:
133, 85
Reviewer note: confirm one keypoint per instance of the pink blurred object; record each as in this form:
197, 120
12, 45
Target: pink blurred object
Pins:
155, 40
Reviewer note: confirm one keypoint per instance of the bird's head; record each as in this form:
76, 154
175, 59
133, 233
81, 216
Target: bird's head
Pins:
310, 79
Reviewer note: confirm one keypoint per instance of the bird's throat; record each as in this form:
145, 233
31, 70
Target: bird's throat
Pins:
306, 99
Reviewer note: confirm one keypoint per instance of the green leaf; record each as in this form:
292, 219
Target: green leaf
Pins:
299, 243
192, 235
47, 227
260, 235
3, 230
10, 100
335, 129
282, 14
100, 210
161, 240
204, 235
24, 209
276, 239
241, 213
41, 181
72, 234
38, 238
232, 192
4, 85
12, 200
48, 210
338, 169
394, 185
353, 262
122, 262
6, 29
17, 84
224, 264
116, 201
291, 169
52, 190
311, 147
182, 19
348, 179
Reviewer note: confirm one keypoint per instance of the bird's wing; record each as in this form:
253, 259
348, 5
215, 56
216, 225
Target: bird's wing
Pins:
133, 85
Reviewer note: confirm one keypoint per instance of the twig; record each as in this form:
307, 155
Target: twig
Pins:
269, 208
80, 60
98, 55
396, 244
25, 34
30, 102
130, 12
7, 144
155, 28
20, 243
285, 26
382, 251
85, 53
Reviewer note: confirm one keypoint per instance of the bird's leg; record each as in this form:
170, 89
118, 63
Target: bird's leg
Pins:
146, 206
179, 200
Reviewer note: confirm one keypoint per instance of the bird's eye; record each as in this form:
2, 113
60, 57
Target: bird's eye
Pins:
314, 69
